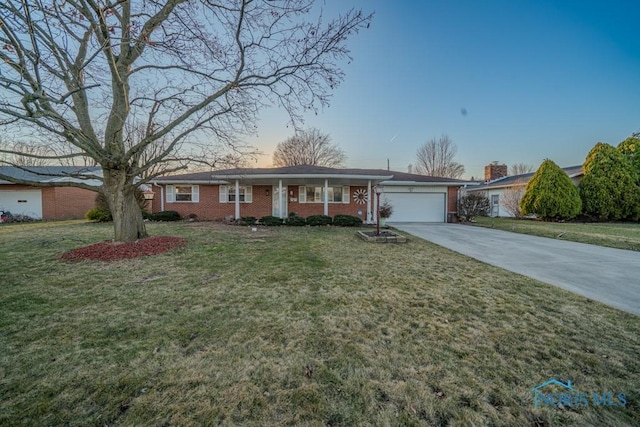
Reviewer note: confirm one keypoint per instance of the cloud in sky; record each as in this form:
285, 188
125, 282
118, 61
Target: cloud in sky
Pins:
507, 81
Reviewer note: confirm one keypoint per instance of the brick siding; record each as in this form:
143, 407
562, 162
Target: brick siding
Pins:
209, 207
60, 203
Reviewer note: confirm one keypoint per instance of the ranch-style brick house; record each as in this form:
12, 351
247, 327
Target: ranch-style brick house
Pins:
306, 190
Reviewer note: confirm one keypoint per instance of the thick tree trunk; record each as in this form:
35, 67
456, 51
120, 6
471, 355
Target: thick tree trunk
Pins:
127, 216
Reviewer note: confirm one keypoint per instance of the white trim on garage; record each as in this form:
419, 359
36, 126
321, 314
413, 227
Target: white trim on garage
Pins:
417, 204
22, 202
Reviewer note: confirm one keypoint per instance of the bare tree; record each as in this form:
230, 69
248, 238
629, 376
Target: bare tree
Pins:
79, 71
520, 169
511, 197
309, 147
435, 158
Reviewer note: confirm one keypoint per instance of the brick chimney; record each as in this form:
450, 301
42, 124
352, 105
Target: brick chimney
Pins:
494, 171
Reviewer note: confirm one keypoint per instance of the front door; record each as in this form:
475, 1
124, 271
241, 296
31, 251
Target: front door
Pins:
276, 202
495, 205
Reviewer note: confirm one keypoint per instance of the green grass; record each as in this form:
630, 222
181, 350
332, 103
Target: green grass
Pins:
221, 332
613, 235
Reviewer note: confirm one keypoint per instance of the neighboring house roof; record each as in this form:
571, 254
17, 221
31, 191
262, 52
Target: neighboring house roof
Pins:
386, 177
509, 181
52, 174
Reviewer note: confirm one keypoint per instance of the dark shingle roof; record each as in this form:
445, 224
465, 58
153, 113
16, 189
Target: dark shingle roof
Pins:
301, 170
522, 179
46, 173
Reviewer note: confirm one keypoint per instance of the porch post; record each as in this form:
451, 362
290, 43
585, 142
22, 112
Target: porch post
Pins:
237, 200
326, 197
280, 206
369, 197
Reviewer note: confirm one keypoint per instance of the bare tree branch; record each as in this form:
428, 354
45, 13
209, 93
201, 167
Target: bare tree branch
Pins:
196, 73
309, 147
436, 158
521, 169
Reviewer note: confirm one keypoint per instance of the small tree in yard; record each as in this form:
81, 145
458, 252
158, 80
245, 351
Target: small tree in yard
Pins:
609, 189
550, 194
473, 205
193, 74
511, 197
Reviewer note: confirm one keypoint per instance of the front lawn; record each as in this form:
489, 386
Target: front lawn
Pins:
296, 326
613, 235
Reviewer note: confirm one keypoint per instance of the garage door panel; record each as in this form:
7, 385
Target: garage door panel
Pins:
22, 202
417, 207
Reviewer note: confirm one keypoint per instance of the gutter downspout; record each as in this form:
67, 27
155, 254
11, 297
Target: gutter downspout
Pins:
155, 184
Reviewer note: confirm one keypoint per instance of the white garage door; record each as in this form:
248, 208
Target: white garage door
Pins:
22, 202
417, 207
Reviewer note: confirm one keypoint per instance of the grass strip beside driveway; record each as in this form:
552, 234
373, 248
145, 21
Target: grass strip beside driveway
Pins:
288, 326
612, 235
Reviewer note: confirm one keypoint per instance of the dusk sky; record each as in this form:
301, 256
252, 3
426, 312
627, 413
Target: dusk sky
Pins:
508, 81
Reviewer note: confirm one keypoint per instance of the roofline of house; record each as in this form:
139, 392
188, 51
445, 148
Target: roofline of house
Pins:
189, 181
425, 183
303, 176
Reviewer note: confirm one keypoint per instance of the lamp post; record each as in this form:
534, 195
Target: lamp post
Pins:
378, 189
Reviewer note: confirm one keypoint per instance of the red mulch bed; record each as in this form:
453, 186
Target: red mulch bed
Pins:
114, 251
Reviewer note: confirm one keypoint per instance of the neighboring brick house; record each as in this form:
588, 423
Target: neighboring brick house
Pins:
497, 184
50, 202
306, 190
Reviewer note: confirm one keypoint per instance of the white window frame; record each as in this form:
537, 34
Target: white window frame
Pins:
172, 193
228, 191
319, 191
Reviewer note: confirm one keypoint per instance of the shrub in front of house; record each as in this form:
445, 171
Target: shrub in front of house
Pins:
164, 216
295, 220
346, 221
550, 194
98, 214
316, 220
473, 205
248, 220
270, 221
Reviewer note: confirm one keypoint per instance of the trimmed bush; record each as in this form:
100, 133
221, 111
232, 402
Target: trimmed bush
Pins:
164, 216
248, 220
473, 205
346, 221
296, 221
550, 194
270, 221
315, 220
98, 214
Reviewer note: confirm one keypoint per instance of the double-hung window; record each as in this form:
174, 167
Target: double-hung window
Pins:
228, 194
182, 193
312, 194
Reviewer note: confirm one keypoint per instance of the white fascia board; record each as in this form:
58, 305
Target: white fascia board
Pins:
190, 182
422, 184
306, 176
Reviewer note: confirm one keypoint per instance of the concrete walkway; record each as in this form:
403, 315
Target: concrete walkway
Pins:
608, 275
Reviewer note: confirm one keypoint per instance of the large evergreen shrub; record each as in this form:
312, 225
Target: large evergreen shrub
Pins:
550, 194
609, 189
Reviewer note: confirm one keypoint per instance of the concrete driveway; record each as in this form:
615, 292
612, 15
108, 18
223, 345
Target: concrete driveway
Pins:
608, 275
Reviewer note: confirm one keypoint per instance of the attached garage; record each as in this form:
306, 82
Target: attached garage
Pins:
22, 202
417, 206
